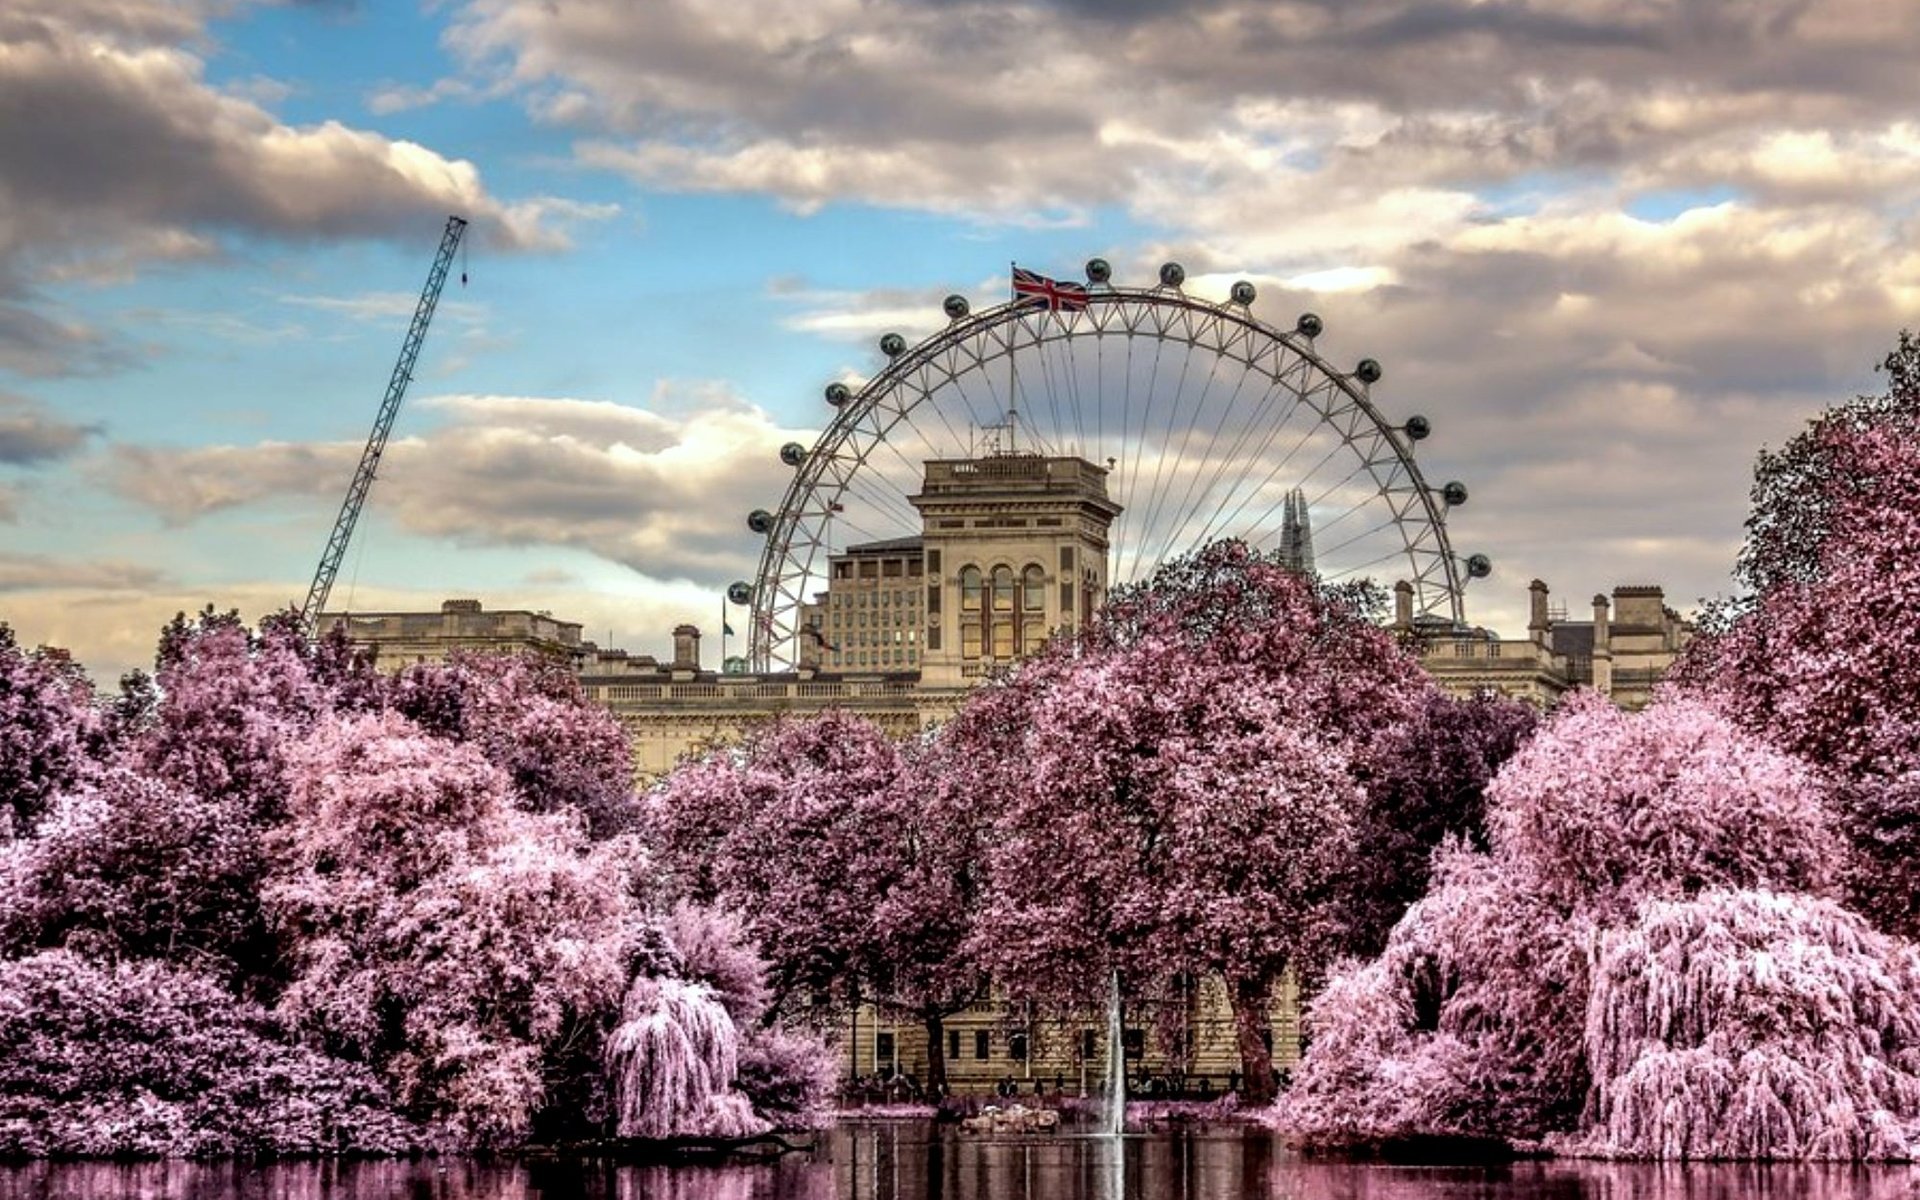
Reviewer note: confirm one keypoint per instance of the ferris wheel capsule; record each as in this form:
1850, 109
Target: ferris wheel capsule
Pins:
1454, 493
893, 345
760, 520
1172, 275
1099, 270
1309, 325
793, 454
1417, 429
1243, 292
740, 592
838, 393
1479, 566
955, 306
1368, 370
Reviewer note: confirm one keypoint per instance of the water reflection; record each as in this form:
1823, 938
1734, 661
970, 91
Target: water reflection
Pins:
910, 1161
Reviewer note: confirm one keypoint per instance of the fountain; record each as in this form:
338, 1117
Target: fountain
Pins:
1115, 1123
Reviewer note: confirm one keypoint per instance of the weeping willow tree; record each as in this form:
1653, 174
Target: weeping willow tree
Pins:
672, 1061
1752, 1025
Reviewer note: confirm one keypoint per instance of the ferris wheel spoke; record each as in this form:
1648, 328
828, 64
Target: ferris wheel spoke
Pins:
1231, 469
1233, 520
1188, 508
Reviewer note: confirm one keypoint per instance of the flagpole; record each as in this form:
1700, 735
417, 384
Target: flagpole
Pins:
1013, 385
723, 633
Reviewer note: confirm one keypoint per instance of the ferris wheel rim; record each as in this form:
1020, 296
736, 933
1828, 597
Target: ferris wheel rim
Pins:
824, 474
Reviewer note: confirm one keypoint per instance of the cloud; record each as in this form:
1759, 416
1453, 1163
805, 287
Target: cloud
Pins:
147, 162
665, 494
37, 573
29, 435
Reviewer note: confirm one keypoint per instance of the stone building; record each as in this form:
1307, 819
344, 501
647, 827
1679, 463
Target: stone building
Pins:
402, 638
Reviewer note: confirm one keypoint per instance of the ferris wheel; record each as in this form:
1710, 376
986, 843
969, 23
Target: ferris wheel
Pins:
1210, 423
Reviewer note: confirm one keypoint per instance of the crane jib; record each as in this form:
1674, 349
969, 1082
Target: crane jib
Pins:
363, 475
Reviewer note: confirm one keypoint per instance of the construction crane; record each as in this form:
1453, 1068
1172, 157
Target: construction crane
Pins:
382, 425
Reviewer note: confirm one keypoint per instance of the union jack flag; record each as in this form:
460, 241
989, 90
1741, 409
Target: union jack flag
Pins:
1057, 295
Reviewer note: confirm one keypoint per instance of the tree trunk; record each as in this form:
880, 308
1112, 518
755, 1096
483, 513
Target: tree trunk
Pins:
1252, 1003
936, 1055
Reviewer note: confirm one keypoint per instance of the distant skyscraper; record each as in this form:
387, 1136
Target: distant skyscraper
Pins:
1296, 533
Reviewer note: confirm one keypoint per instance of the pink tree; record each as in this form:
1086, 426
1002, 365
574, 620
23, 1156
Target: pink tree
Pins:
1470, 1023
1178, 789
1605, 809
778, 831
1825, 660
130, 867
1425, 781
529, 717
146, 1059
1752, 1025
439, 932
230, 703
49, 731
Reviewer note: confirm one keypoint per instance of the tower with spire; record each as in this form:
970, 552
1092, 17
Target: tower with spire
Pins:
1296, 533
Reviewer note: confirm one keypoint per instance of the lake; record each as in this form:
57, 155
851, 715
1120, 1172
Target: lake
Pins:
916, 1161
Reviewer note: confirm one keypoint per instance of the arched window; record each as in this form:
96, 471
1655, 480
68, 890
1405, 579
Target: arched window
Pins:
970, 588
1033, 587
1003, 589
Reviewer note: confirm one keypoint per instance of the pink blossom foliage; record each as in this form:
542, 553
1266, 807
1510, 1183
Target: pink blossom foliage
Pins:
230, 705
1604, 809
788, 1075
1425, 781
1470, 1023
715, 949
780, 831
147, 1059
1467, 1026
438, 931
1175, 792
1825, 661
48, 727
673, 1059
849, 861
1753, 1025
528, 716
130, 866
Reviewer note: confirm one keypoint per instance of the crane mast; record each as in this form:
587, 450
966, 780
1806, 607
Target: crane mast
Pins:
382, 425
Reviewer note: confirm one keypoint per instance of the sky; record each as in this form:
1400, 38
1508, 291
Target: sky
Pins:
1611, 248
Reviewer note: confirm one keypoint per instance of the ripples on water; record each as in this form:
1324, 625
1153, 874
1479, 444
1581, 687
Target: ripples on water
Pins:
911, 1161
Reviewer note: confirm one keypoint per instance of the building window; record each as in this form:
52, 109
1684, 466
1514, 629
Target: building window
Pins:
1033, 588
1136, 1043
970, 588
969, 640
1017, 1047
1066, 601
933, 561
953, 1043
883, 1050
1087, 1044
1493, 649
981, 1040
1003, 589
933, 597
1066, 558
1003, 639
